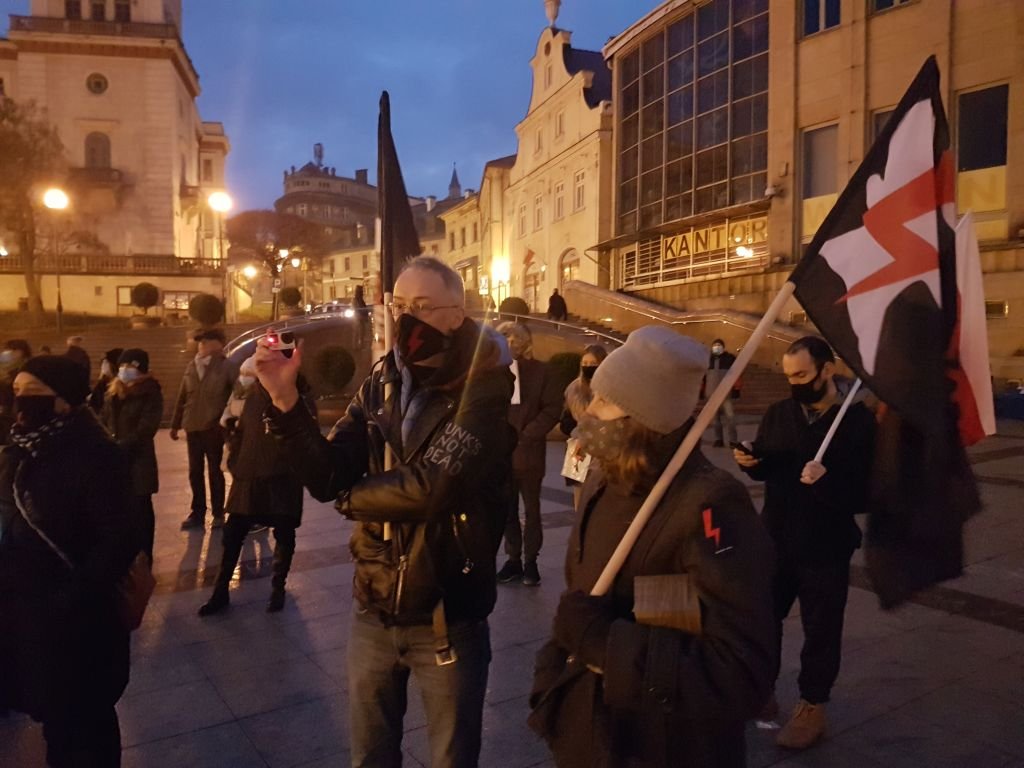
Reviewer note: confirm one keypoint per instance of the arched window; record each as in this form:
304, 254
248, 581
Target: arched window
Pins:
569, 267
97, 150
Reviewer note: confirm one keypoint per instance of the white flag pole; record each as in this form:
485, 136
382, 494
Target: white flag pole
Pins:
703, 421
835, 423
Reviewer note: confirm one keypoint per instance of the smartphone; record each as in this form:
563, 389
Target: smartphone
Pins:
283, 342
742, 448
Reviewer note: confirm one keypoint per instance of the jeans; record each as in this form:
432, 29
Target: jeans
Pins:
379, 662
822, 591
206, 446
526, 540
725, 421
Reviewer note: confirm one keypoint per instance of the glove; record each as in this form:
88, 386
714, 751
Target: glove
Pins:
582, 624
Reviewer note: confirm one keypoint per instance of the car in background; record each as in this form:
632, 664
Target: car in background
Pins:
334, 307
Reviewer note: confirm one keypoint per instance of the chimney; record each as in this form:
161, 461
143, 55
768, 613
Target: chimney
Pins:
469, 193
361, 177
431, 202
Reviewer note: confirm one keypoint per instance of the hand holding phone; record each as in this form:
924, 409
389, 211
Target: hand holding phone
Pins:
283, 342
743, 448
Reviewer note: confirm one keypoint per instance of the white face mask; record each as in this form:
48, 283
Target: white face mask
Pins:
717, 349
246, 381
128, 374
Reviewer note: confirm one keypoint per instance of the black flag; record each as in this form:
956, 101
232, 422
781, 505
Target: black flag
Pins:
879, 281
398, 239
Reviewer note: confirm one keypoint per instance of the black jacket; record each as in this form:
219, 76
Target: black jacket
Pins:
446, 497
263, 484
666, 698
814, 523
61, 641
535, 415
132, 415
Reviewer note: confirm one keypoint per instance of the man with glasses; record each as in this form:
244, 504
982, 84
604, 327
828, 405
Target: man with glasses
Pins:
428, 529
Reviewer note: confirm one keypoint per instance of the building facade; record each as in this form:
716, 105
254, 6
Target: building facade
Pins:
116, 81
737, 125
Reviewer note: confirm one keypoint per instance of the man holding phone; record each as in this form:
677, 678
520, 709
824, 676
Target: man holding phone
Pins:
809, 510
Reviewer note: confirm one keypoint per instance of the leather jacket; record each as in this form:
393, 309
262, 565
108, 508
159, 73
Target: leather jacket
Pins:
447, 495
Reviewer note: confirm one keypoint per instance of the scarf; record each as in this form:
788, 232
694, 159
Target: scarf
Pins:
36, 441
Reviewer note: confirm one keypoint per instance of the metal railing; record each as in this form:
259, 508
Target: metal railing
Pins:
112, 264
93, 27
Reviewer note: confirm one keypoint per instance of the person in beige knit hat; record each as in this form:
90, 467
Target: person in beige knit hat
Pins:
678, 655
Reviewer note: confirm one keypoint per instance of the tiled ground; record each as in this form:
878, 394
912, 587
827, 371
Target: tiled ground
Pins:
919, 687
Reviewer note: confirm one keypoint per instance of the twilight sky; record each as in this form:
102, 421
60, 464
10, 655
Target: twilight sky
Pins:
284, 74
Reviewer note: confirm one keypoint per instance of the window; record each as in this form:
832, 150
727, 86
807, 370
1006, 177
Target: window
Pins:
348, 264
997, 309
538, 142
300, 209
560, 124
2, 91
178, 299
579, 196
97, 150
366, 261
522, 220
433, 250
96, 83
99, 11
73, 9
878, 121
881, 5
462, 237
122, 11
547, 76
981, 128
559, 196
819, 15
207, 169
820, 178
538, 211
451, 241
476, 232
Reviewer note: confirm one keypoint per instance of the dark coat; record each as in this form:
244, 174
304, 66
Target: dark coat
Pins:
666, 698
263, 485
132, 416
62, 643
201, 401
447, 495
814, 523
538, 411
557, 310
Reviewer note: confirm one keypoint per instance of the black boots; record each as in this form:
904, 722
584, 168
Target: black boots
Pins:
218, 601
282, 564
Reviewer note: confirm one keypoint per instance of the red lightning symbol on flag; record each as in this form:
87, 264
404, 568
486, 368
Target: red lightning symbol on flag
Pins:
415, 342
709, 531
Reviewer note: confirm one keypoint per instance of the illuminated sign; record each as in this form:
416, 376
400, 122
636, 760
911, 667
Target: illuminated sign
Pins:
717, 237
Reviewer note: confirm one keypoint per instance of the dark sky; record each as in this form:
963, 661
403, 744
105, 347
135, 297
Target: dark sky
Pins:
284, 74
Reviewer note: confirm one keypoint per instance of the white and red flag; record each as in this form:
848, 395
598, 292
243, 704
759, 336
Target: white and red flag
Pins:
879, 280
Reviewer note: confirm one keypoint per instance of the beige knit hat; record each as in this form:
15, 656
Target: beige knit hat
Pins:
654, 377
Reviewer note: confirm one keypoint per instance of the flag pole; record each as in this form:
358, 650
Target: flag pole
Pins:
703, 421
389, 343
835, 422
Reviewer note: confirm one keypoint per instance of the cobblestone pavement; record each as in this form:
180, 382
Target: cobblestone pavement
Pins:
940, 682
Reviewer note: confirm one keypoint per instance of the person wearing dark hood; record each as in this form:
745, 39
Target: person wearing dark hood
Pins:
132, 413
428, 529
67, 538
13, 355
536, 404
108, 372
644, 677
809, 509
264, 491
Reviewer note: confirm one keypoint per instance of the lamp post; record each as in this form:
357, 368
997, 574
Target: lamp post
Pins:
56, 199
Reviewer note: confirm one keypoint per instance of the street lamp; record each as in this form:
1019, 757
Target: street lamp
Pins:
221, 203
56, 200
250, 271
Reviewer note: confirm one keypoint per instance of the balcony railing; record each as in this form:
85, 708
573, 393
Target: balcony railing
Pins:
108, 264
88, 27
100, 177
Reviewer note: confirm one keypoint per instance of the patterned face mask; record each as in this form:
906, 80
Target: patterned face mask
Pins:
602, 439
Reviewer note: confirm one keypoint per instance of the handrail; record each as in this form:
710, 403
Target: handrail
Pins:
558, 324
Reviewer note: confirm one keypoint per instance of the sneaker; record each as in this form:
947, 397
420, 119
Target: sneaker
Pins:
218, 602
512, 570
531, 576
218, 521
768, 718
276, 601
805, 727
194, 520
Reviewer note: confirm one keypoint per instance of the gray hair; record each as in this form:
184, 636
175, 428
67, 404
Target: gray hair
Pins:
452, 280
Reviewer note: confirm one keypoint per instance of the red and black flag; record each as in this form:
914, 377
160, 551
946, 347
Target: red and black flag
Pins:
879, 281
398, 239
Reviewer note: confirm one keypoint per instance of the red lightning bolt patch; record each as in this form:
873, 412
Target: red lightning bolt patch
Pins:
414, 342
713, 533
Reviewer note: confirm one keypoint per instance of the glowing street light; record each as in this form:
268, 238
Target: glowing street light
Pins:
296, 262
250, 271
56, 200
221, 202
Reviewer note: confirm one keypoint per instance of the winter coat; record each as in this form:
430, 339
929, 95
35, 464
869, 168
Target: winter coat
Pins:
447, 495
201, 401
537, 412
813, 524
666, 698
263, 486
62, 643
132, 415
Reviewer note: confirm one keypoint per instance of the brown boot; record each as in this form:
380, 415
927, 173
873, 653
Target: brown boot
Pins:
807, 725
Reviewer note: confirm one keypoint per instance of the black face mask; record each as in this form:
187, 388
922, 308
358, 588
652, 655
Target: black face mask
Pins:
419, 341
807, 393
33, 411
587, 372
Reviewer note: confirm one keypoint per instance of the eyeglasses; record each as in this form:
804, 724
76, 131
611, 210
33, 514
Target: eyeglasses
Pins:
399, 308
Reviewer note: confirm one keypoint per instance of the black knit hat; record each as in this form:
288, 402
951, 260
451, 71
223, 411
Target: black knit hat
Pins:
113, 355
61, 374
137, 357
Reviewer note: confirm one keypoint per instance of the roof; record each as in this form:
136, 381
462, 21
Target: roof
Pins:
501, 162
577, 60
455, 178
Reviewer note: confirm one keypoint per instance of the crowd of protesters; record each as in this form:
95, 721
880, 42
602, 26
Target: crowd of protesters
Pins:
430, 460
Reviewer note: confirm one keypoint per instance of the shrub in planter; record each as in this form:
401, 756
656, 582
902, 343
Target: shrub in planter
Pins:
514, 305
290, 296
144, 296
333, 367
563, 368
206, 309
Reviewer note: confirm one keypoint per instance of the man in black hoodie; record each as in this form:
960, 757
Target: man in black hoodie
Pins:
428, 529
